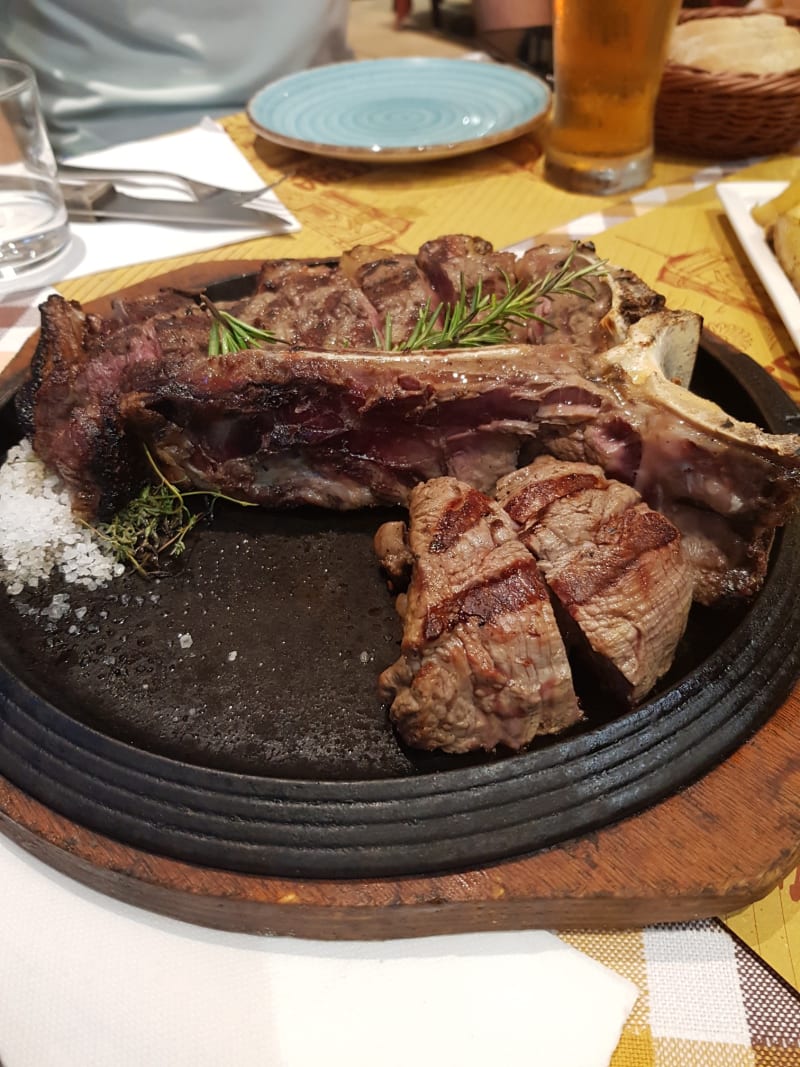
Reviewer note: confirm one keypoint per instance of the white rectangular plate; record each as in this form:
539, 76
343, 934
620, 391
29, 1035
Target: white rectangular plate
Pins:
738, 198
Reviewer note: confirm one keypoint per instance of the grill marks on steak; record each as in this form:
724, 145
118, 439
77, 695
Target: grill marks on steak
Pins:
482, 662
393, 284
310, 304
615, 567
348, 302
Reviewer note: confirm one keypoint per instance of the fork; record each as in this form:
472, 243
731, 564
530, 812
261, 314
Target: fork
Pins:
199, 190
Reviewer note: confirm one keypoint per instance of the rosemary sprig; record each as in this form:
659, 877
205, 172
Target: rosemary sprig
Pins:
481, 319
563, 279
486, 319
229, 334
384, 340
155, 522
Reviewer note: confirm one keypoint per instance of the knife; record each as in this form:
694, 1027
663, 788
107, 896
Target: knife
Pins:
100, 200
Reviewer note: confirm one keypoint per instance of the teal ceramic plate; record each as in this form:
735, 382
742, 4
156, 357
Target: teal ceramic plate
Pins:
399, 110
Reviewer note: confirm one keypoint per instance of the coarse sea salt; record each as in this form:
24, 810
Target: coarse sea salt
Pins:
38, 533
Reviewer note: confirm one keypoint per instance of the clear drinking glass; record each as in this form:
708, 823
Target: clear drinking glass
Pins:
609, 56
33, 219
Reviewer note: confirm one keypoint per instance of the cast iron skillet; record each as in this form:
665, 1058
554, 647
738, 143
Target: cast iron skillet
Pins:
280, 760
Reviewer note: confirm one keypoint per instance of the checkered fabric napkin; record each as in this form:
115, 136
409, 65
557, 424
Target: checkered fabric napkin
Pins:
706, 999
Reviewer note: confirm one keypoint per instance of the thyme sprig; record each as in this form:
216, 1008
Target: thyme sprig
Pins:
485, 318
229, 334
155, 522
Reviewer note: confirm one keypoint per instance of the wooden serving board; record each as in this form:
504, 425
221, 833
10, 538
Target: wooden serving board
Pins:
710, 850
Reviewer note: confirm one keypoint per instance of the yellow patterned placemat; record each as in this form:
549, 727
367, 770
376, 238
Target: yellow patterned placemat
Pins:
688, 251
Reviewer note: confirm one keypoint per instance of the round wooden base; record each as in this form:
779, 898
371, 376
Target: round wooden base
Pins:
711, 849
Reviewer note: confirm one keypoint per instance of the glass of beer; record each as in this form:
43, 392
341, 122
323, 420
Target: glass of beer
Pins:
609, 56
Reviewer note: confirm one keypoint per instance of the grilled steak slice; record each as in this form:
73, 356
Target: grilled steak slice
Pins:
563, 317
311, 304
346, 303
482, 663
394, 286
595, 312
448, 262
614, 565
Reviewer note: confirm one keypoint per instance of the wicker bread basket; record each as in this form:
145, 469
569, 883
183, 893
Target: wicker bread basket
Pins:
727, 116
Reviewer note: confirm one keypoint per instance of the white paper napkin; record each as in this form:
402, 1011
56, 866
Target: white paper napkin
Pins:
205, 153
86, 981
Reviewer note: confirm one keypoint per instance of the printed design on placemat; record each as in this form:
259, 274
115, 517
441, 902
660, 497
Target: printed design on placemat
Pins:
785, 371
317, 171
708, 271
325, 210
793, 886
349, 222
